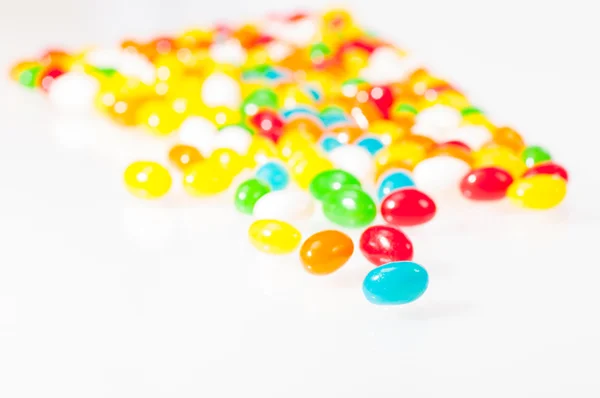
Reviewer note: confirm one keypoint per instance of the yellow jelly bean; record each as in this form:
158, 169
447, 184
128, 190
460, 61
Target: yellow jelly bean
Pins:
223, 116
452, 98
501, 157
292, 142
305, 169
228, 160
158, 117
404, 155
205, 179
387, 131
274, 237
147, 180
261, 150
478, 119
542, 191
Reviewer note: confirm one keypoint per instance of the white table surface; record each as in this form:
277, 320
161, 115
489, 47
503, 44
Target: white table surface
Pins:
102, 295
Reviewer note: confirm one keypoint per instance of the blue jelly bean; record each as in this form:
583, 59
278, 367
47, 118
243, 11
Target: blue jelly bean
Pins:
393, 181
395, 283
328, 144
274, 174
371, 144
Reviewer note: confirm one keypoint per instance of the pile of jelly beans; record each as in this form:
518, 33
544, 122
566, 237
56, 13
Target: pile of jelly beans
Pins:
322, 118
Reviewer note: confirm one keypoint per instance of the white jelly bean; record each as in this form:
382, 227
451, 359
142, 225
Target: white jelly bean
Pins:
474, 136
221, 89
74, 92
440, 174
387, 65
285, 205
234, 137
228, 52
355, 160
198, 132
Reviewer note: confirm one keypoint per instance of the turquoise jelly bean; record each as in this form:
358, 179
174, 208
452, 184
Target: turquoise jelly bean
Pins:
274, 174
371, 144
328, 144
393, 181
395, 283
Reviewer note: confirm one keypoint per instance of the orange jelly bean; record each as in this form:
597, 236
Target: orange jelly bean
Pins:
182, 156
450, 149
509, 138
422, 140
325, 252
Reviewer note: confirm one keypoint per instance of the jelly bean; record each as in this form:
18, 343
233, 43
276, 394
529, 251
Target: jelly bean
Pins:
371, 144
48, 77
421, 140
395, 283
509, 138
29, 77
206, 178
248, 194
456, 149
306, 125
392, 181
285, 205
293, 143
383, 98
147, 180
474, 136
354, 159
436, 121
387, 130
346, 133
158, 118
234, 137
541, 191
488, 183
407, 207
382, 244
330, 181
349, 207
222, 116
268, 124
274, 236
199, 133
261, 98
73, 92
182, 156
305, 170
329, 143
261, 151
440, 174
227, 159
402, 155
325, 252
220, 89
274, 174
533, 155
500, 157
547, 168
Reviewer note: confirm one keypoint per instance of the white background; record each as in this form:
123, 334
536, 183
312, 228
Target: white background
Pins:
105, 296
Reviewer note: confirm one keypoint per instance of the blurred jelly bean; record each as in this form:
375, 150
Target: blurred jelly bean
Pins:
488, 183
436, 122
29, 76
440, 174
402, 155
206, 178
473, 136
158, 117
220, 89
233, 137
392, 181
500, 157
267, 124
349, 207
258, 99
382, 244
199, 133
330, 143
274, 174
407, 207
147, 180
274, 236
261, 151
509, 138
533, 155
387, 131
74, 92
182, 156
305, 170
248, 194
332, 180
395, 283
227, 159
285, 205
355, 160
48, 77
541, 191
325, 252
547, 168
371, 144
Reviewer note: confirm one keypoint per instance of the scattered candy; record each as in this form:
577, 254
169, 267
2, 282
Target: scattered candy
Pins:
395, 283
325, 252
322, 112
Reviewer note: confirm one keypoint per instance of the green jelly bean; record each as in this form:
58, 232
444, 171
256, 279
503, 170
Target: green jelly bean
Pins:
28, 77
533, 155
350, 207
471, 110
248, 193
330, 181
261, 98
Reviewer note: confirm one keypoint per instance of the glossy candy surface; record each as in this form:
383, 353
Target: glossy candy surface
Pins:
488, 183
407, 207
332, 180
325, 252
392, 181
147, 180
182, 156
547, 168
286, 205
396, 283
349, 207
248, 194
382, 244
535, 154
542, 191
274, 236
274, 174
440, 174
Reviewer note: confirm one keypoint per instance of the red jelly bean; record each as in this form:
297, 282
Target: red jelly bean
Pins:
548, 168
383, 98
268, 124
488, 183
455, 143
407, 207
49, 76
382, 244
